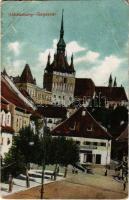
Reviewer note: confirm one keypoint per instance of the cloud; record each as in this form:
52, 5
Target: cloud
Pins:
72, 47
14, 47
43, 56
98, 69
14, 67
90, 56
101, 71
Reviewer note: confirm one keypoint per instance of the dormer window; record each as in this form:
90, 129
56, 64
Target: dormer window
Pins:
90, 128
83, 113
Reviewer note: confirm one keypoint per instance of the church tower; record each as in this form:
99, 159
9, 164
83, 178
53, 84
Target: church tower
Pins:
59, 75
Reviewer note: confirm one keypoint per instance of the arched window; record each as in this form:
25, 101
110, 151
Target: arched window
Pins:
53, 85
3, 118
17, 122
8, 119
8, 141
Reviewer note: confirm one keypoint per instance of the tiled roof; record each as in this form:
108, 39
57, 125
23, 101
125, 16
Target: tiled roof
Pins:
52, 111
36, 114
16, 79
84, 87
12, 97
81, 124
7, 129
112, 93
26, 76
123, 136
26, 94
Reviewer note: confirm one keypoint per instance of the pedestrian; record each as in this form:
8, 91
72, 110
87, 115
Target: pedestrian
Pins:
10, 181
105, 173
58, 169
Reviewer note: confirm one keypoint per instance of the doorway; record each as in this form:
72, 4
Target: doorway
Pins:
98, 159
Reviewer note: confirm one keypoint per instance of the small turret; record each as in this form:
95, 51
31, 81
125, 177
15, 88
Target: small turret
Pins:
4, 72
110, 81
48, 60
72, 65
115, 83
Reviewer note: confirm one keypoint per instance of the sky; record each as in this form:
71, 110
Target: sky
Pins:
95, 31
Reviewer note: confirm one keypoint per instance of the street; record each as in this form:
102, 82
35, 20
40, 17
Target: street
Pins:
79, 186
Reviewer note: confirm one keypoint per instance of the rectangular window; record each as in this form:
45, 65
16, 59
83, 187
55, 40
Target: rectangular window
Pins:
103, 144
17, 122
86, 143
98, 159
8, 141
77, 142
2, 140
89, 157
84, 158
65, 80
95, 143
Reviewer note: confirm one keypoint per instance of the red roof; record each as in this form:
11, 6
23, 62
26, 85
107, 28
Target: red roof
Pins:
123, 136
84, 87
16, 79
10, 95
4, 106
51, 111
26, 76
36, 114
81, 126
26, 94
112, 93
7, 129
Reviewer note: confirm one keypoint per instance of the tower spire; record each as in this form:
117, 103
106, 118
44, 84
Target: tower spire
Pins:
115, 83
72, 59
110, 81
48, 60
61, 44
4, 72
62, 26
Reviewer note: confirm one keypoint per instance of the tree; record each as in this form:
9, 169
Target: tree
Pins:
69, 154
26, 148
14, 163
63, 152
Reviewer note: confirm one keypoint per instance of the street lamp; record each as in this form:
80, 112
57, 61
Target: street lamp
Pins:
107, 157
31, 143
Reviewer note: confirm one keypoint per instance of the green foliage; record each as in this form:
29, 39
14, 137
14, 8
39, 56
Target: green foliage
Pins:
22, 152
111, 118
14, 162
63, 151
55, 150
117, 116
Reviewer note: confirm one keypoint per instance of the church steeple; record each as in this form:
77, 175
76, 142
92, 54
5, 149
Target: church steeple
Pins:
72, 60
115, 83
110, 81
62, 26
61, 44
4, 72
26, 76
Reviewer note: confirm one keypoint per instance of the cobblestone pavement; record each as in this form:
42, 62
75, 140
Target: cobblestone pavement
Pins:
19, 183
79, 186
